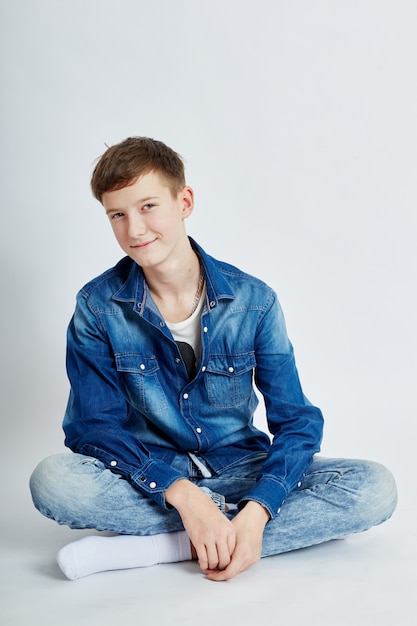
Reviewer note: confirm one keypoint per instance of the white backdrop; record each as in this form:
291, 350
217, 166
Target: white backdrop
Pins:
297, 123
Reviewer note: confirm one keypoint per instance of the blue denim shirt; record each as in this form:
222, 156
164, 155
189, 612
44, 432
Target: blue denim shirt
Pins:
133, 407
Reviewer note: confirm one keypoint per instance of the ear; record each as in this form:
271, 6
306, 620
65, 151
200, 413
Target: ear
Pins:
186, 197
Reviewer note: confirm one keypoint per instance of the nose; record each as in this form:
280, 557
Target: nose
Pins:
136, 225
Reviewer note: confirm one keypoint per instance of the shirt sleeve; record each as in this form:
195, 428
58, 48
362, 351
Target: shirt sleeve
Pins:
295, 424
97, 411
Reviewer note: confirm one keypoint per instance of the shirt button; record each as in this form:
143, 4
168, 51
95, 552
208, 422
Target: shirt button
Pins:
142, 479
205, 329
198, 430
142, 367
231, 369
113, 463
212, 304
203, 369
299, 484
152, 485
185, 396
279, 510
177, 360
162, 324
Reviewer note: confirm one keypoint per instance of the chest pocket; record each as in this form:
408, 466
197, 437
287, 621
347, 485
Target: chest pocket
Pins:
140, 380
228, 379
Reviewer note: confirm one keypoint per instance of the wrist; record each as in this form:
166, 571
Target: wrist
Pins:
257, 512
178, 493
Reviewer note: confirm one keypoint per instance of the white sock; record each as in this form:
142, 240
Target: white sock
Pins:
94, 554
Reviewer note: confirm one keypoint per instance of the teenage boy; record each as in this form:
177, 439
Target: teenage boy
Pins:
163, 351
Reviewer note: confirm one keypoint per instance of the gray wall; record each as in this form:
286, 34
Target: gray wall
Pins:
297, 122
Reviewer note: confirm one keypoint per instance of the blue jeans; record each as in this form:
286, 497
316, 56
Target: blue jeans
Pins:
335, 498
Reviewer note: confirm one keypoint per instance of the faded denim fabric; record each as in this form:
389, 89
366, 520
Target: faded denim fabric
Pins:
132, 407
336, 497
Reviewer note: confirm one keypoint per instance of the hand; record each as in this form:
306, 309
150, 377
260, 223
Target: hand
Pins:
212, 535
249, 526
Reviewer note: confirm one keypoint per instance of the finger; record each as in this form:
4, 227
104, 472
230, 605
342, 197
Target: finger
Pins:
213, 555
202, 557
237, 565
231, 543
224, 555
221, 575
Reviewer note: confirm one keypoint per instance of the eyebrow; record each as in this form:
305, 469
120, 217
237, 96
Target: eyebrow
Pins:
140, 201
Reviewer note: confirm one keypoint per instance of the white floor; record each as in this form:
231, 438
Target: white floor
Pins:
300, 114
367, 579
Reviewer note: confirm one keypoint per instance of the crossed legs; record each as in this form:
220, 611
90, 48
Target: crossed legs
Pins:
336, 498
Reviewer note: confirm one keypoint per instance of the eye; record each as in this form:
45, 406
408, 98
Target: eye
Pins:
116, 216
148, 206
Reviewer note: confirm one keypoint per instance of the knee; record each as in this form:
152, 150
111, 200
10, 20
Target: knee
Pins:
381, 493
44, 482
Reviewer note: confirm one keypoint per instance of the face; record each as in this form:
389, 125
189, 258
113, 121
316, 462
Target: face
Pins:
148, 220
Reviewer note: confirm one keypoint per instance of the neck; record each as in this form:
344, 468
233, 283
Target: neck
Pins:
176, 277
177, 290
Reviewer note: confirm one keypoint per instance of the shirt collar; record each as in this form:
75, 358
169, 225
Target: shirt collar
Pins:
136, 290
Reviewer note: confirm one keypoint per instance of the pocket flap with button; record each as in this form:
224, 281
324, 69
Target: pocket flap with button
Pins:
231, 365
136, 363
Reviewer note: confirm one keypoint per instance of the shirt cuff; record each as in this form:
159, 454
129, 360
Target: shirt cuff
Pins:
154, 479
268, 491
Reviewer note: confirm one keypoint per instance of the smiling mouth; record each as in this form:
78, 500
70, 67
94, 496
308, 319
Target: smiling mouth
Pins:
139, 246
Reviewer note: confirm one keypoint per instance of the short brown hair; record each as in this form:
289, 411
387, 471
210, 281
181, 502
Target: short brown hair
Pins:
122, 164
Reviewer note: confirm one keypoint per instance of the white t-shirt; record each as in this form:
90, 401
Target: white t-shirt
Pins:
187, 334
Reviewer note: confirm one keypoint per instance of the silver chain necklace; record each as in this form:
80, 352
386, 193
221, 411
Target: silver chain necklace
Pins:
198, 292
